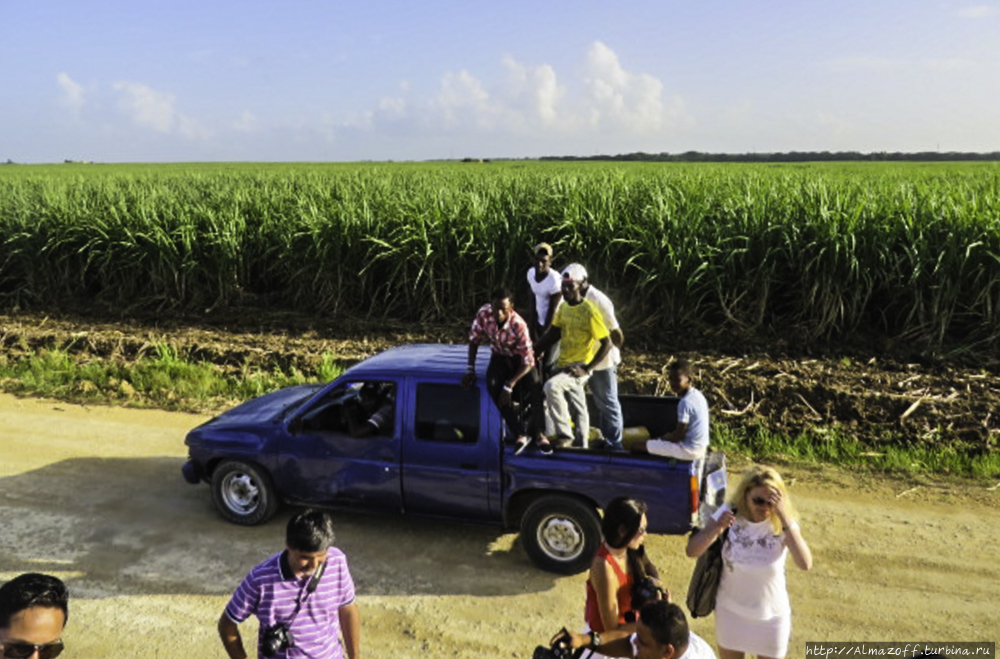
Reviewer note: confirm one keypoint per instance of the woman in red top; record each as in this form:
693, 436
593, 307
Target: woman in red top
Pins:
619, 562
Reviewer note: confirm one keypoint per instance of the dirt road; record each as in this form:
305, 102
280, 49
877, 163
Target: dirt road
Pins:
95, 495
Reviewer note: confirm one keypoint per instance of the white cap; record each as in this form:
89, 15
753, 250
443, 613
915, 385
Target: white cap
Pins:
575, 271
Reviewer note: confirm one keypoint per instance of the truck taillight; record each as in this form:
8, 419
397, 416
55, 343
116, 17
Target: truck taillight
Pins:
694, 495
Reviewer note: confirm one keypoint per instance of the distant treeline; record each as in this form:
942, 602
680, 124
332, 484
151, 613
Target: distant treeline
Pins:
791, 156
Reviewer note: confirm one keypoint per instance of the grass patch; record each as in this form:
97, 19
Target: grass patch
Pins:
161, 379
834, 446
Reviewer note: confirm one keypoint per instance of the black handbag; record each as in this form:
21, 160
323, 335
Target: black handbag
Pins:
705, 579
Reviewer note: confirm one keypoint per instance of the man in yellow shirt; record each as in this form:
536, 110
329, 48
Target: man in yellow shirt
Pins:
584, 342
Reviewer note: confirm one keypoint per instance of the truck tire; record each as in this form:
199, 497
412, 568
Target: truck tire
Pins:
243, 493
560, 534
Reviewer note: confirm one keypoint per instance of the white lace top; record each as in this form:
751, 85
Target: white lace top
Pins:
753, 575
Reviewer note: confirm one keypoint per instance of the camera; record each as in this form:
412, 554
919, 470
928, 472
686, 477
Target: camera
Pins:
644, 591
560, 647
275, 639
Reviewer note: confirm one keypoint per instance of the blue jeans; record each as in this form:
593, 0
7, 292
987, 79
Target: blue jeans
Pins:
604, 387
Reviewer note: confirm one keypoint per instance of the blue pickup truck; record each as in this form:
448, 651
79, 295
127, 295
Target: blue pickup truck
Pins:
437, 449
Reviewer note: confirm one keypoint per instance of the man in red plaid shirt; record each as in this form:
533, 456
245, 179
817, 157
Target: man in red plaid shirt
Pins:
511, 375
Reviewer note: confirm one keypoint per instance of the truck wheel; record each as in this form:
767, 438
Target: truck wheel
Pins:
560, 534
243, 493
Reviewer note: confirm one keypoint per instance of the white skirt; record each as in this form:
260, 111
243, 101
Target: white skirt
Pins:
768, 638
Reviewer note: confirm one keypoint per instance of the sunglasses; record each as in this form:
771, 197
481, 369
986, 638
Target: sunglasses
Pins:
760, 501
25, 650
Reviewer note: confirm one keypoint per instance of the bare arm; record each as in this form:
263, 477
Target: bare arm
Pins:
469, 378
602, 352
699, 543
229, 632
613, 644
554, 300
552, 335
798, 548
585, 369
677, 434
617, 338
602, 577
504, 399
350, 627
796, 544
357, 421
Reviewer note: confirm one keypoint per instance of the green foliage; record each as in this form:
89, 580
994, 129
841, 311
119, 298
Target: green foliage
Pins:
904, 250
162, 379
831, 445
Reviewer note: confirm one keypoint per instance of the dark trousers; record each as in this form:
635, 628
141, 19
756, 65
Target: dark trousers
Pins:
526, 414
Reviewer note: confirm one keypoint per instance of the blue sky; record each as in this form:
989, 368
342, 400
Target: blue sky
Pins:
306, 80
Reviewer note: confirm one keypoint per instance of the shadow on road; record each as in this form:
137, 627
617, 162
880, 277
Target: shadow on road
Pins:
133, 526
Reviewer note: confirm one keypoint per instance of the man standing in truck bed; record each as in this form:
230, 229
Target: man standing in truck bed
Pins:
585, 342
604, 379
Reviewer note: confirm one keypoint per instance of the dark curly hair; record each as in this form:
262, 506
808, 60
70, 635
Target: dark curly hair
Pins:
32, 590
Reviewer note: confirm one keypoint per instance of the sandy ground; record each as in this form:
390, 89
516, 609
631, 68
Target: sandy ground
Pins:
95, 495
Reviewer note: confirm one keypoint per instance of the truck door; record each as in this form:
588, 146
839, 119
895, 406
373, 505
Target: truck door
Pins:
447, 456
321, 462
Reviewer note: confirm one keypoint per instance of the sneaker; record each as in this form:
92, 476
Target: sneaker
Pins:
521, 444
544, 446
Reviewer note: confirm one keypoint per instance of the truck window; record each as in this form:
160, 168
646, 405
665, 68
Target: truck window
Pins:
372, 412
358, 409
447, 413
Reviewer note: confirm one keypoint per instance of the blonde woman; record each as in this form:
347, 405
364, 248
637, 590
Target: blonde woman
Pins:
752, 611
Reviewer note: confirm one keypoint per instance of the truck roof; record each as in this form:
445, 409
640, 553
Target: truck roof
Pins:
429, 358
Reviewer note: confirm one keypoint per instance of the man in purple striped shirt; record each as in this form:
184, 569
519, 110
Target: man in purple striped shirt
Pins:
307, 589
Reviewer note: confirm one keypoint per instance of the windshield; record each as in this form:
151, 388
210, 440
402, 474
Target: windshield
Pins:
298, 402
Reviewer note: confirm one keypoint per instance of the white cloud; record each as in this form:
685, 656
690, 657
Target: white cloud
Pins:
72, 92
464, 98
534, 91
526, 104
394, 107
149, 108
977, 11
633, 101
531, 99
146, 106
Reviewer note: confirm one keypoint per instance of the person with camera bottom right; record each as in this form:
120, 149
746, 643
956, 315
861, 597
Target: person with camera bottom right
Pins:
303, 598
661, 632
752, 610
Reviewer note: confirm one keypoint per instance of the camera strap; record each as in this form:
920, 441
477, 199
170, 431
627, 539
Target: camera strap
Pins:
306, 591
